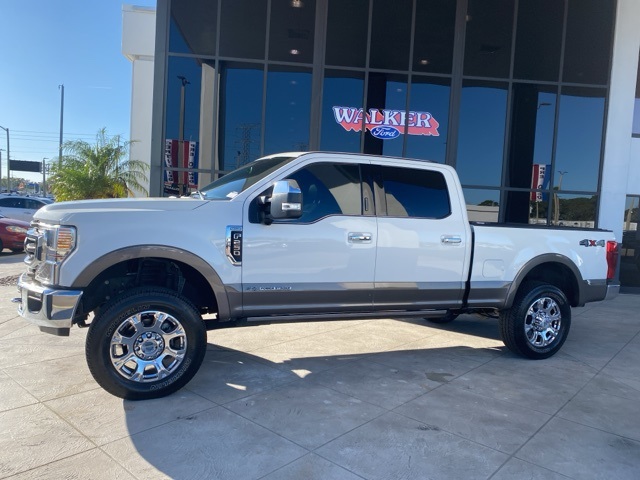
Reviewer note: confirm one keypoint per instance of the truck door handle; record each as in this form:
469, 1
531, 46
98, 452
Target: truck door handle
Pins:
359, 237
450, 239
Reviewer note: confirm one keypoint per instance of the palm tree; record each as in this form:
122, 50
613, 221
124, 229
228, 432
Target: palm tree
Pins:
97, 171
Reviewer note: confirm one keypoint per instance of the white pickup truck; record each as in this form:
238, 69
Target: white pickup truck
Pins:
293, 237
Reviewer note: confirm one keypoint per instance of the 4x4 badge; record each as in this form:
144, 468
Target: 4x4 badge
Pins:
592, 243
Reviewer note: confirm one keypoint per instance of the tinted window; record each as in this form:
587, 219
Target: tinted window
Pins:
487, 50
588, 41
328, 189
482, 205
292, 27
241, 111
288, 110
390, 34
347, 32
243, 28
8, 203
539, 40
386, 106
433, 38
481, 132
193, 26
342, 111
415, 193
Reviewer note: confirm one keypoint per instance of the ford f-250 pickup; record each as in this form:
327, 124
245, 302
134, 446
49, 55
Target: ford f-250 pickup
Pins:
294, 237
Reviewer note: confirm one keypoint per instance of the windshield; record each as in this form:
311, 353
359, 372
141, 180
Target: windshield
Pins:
229, 186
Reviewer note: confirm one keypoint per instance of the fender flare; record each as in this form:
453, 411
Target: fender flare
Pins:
99, 265
539, 260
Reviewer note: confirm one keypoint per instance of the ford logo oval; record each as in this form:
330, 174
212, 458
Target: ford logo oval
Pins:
385, 133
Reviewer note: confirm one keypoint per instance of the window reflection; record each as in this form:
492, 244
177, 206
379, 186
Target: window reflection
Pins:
588, 41
527, 207
243, 28
433, 38
482, 205
481, 133
342, 111
429, 96
579, 138
390, 34
539, 40
573, 210
386, 110
630, 248
240, 114
192, 28
533, 110
292, 30
288, 110
488, 38
347, 26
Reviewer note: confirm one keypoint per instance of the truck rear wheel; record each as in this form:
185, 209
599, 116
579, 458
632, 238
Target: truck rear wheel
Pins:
146, 344
537, 324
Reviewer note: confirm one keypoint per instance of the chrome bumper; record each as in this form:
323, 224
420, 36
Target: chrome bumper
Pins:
51, 309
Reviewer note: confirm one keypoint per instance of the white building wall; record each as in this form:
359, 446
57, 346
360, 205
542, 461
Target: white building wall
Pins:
619, 164
138, 45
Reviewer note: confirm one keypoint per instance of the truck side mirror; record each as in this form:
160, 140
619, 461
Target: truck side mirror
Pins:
285, 200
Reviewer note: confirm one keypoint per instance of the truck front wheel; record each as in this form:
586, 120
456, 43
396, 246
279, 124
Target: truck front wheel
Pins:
146, 344
538, 323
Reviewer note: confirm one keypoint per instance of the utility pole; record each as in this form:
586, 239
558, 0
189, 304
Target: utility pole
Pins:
61, 87
1, 150
8, 161
556, 213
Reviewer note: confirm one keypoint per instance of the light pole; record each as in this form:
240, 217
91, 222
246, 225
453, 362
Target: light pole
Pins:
1, 150
44, 179
8, 161
61, 87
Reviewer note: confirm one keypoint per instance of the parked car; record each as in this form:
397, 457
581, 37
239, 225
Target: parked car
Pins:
21, 208
12, 234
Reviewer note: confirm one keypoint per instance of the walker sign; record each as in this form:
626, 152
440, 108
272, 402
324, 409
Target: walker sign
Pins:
387, 124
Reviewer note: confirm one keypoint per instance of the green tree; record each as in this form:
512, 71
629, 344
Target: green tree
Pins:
100, 170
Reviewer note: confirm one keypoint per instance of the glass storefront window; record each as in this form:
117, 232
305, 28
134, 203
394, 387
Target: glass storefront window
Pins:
579, 138
243, 28
482, 205
433, 38
192, 28
240, 113
539, 40
342, 96
288, 109
588, 41
533, 110
527, 207
481, 131
429, 105
630, 248
347, 27
573, 210
488, 38
390, 34
292, 30
386, 114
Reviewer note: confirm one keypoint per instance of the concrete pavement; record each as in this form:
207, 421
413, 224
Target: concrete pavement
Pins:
364, 399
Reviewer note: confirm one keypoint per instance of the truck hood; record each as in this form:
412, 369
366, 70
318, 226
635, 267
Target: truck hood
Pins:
67, 212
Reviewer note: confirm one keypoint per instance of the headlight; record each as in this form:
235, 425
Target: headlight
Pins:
14, 229
58, 243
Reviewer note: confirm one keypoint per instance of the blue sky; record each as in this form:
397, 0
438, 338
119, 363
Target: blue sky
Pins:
72, 42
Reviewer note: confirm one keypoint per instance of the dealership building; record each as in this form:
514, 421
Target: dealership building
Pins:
532, 101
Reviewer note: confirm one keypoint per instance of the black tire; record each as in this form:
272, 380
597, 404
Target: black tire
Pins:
446, 318
537, 324
157, 354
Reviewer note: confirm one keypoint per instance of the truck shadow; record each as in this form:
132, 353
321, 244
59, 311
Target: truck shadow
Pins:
247, 414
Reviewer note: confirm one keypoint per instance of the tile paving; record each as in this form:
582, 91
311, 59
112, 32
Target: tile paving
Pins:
367, 399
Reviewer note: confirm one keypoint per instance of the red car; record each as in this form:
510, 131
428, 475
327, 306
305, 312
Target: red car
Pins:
12, 233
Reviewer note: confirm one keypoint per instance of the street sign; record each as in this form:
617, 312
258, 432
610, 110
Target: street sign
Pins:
25, 166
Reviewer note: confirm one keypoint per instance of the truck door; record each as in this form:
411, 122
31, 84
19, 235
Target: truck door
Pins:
421, 259
320, 262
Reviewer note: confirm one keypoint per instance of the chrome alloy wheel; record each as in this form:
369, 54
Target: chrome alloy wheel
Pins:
148, 346
543, 321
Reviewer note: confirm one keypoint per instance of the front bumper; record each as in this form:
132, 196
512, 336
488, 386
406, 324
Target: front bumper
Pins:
51, 309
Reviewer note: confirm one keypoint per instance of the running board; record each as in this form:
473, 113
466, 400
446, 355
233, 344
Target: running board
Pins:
348, 316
